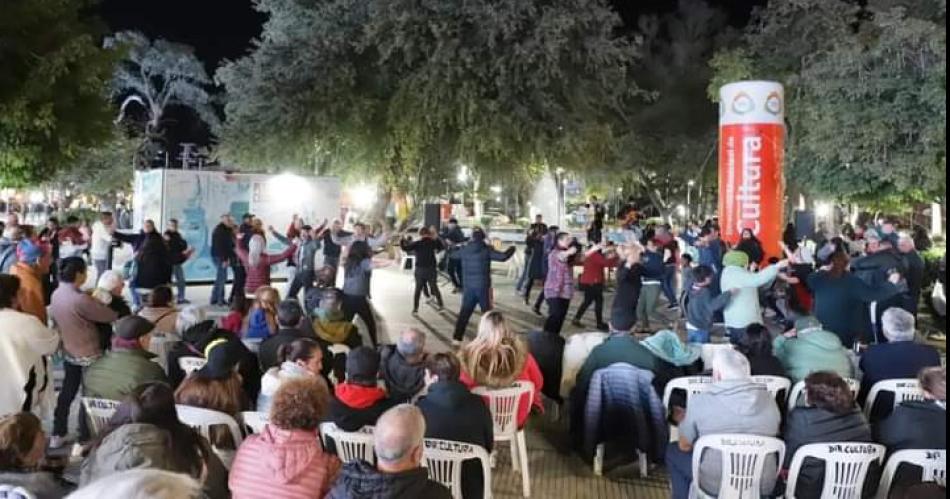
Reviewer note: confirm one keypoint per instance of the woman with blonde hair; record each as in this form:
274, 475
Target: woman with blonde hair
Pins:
262, 319
496, 358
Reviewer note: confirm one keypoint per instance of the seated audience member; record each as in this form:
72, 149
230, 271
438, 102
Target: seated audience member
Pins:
24, 342
398, 473
918, 424
756, 345
286, 461
233, 322
359, 401
289, 313
160, 311
301, 358
128, 365
830, 415
32, 266
901, 357
142, 484
702, 305
453, 413
329, 323
262, 319
496, 358
920, 490
145, 432
217, 386
22, 448
109, 293
809, 348
733, 404
402, 366
197, 333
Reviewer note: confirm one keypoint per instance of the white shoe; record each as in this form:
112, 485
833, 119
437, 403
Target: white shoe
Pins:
57, 442
456, 344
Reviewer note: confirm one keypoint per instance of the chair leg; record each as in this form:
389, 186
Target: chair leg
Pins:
599, 460
644, 465
514, 455
525, 474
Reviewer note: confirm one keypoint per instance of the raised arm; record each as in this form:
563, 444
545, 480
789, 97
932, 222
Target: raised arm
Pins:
498, 256
280, 237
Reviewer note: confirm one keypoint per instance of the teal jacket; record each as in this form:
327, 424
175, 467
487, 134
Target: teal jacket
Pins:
744, 307
812, 351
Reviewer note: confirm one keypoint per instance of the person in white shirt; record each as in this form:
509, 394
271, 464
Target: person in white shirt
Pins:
101, 241
24, 341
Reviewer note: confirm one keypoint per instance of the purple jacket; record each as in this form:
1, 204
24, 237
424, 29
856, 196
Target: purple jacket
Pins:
560, 281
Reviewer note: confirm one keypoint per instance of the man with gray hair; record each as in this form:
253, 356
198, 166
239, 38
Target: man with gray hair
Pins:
403, 365
900, 357
398, 474
733, 403
915, 268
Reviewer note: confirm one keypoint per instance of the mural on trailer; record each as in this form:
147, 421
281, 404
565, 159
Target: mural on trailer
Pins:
198, 200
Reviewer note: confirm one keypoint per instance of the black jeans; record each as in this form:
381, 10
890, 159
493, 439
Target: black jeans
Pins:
359, 305
427, 278
593, 295
470, 299
454, 269
557, 312
71, 384
302, 279
240, 277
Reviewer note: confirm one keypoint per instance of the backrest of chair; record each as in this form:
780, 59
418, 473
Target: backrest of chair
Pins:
798, 392
904, 390
350, 446
191, 364
203, 419
503, 404
253, 344
774, 384
692, 385
160, 345
846, 467
743, 461
339, 348
255, 421
444, 458
933, 463
99, 411
15, 492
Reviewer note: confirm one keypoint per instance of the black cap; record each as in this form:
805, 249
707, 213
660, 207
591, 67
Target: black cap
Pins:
362, 366
223, 356
133, 327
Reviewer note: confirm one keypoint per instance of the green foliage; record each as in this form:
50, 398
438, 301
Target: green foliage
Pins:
53, 76
405, 90
103, 170
866, 90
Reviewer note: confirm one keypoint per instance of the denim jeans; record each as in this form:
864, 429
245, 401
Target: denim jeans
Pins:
697, 336
669, 283
523, 280
71, 384
471, 298
679, 465
454, 269
303, 279
178, 272
220, 278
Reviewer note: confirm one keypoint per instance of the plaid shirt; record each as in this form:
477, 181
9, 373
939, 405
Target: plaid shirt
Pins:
560, 281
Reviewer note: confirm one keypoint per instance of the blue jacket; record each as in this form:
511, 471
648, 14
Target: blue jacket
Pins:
476, 258
623, 406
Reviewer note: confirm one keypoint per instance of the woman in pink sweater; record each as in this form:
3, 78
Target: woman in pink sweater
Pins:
258, 263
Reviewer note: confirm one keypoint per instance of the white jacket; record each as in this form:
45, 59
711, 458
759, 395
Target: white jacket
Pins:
576, 351
24, 340
101, 240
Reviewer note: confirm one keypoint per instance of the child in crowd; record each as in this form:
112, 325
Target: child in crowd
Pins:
234, 321
701, 305
262, 320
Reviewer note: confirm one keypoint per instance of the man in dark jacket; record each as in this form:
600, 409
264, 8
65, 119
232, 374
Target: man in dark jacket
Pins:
398, 473
915, 267
289, 313
331, 250
899, 358
875, 269
453, 413
403, 365
222, 254
454, 238
476, 258
426, 267
178, 254
359, 401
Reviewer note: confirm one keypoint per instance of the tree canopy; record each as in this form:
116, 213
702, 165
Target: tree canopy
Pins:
866, 91
53, 87
411, 88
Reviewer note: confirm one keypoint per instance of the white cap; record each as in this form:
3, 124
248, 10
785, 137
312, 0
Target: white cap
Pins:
752, 102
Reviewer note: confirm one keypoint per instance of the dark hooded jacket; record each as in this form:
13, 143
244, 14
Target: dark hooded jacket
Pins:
476, 258
811, 425
194, 341
403, 380
360, 480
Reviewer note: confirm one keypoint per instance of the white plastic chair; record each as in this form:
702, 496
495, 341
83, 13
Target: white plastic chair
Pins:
203, 419
253, 344
692, 385
191, 364
774, 384
444, 458
99, 412
933, 462
255, 421
503, 405
904, 390
350, 446
160, 345
798, 392
339, 348
743, 463
846, 467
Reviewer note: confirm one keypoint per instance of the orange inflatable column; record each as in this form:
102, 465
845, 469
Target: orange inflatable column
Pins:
751, 158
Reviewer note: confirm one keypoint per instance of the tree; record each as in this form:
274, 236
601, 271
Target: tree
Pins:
157, 75
103, 170
866, 91
405, 90
53, 98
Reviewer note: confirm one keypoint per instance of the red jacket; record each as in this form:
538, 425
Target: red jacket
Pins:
282, 464
260, 275
594, 266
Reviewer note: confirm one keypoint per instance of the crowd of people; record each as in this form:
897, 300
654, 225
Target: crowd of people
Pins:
805, 315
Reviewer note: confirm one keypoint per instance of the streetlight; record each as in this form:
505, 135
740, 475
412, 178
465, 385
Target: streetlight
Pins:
689, 192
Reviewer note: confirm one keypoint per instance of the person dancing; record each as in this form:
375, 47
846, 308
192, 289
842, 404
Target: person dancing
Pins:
476, 258
559, 285
426, 269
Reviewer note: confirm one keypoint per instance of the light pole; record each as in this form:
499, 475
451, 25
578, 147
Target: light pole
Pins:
689, 206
